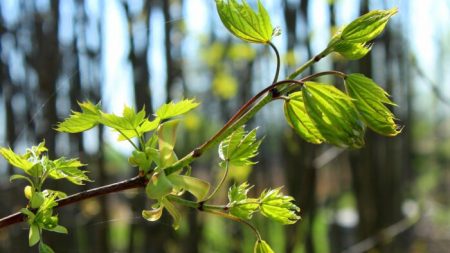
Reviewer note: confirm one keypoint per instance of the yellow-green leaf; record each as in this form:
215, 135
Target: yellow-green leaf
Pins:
173, 211
173, 109
34, 235
159, 186
16, 160
334, 115
370, 101
298, 119
81, 121
243, 22
153, 214
278, 207
352, 51
197, 187
368, 26
261, 246
167, 136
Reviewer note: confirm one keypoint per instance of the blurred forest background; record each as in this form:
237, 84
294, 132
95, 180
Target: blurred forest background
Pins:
393, 195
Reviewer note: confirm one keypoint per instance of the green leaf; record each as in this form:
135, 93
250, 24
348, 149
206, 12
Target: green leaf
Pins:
172, 109
37, 199
368, 26
33, 235
30, 215
81, 121
140, 159
18, 176
239, 205
352, 51
278, 207
243, 22
16, 160
144, 127
298, 119
58, 229
261, 246
159, 186
69, 169
44, 248
166, 139
333, 114
239, 147
154, 214
197, 187
173, 212
370, 100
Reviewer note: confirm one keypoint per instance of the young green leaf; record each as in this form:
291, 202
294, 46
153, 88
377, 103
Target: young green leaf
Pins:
34, 235
197, 187
352, 51
141, 160
334, 115
261, 246
243, 22
370, 100
239, 147
298, 119
159, 186
368, 26
167, 138
58, 229
68, 169
18, 176
172, 109
173, 212
153, 214
278, 207
16, 160
81, 121
239, 204
44, 248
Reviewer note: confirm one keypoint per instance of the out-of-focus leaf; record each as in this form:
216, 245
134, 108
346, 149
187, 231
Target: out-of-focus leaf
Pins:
278, 207
44, 248
239, 147
172, 109
81, 121
225, 85
243, 22
33, 235
334, 115
261, 246
298, 119
370, 100
18, 176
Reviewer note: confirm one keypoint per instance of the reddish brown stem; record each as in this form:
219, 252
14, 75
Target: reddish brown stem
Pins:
136, 182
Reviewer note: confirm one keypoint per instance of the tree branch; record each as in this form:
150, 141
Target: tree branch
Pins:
135, 182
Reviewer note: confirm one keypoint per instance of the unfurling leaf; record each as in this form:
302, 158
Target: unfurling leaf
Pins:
261, 246
370, 100
197, 187
70, 170
352, 42
352, 51
81, 121
167, 137
239, 205
172, 109
243, 22
16, 160
278, 207
154, 214
239, 147
368, 26
173, 211
298, 119
159, 186
334, 115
